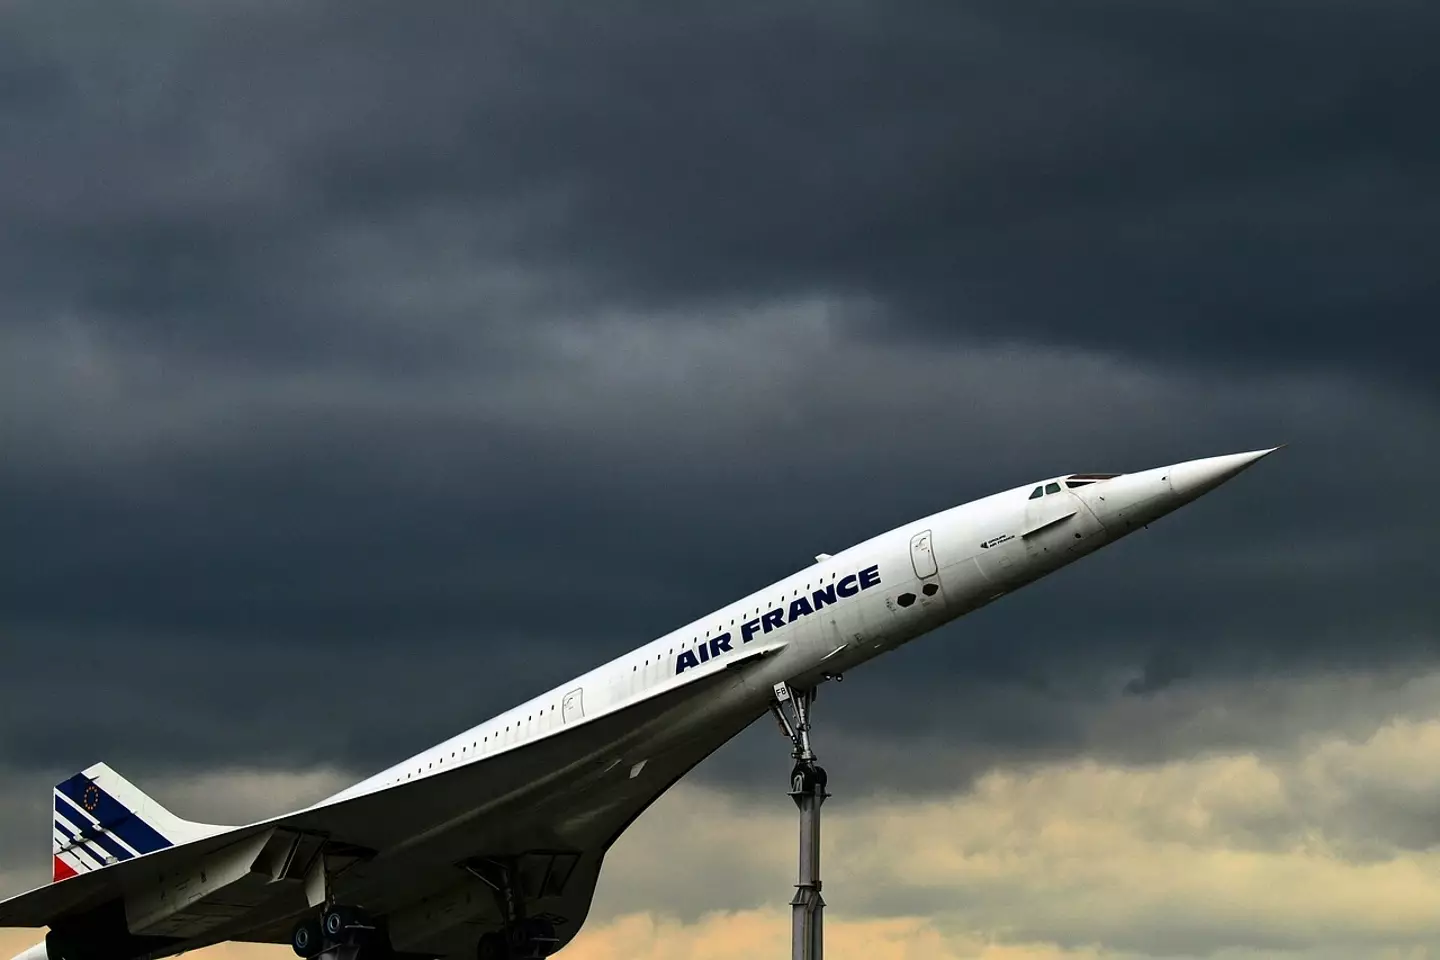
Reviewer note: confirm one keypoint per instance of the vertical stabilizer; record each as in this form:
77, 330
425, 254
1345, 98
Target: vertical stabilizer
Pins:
101, 818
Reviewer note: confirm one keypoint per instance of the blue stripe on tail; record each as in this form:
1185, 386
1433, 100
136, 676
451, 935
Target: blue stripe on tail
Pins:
112, 815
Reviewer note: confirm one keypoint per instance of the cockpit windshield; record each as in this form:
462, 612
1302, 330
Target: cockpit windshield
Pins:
1081, 479
1072, 481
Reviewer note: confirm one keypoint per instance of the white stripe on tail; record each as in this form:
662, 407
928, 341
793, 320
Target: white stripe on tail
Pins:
101, 818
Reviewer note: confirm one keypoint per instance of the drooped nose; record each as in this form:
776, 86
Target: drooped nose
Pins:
1132, 500
1190, 479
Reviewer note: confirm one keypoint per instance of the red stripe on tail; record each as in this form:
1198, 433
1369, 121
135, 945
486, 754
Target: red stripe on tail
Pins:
63, 871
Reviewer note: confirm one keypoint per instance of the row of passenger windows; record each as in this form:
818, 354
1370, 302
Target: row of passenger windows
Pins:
463, 752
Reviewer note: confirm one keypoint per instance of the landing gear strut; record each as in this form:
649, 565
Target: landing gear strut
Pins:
523, 938
807, 789
336, 931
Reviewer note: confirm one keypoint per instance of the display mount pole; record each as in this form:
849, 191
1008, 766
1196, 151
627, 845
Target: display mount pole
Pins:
807, 789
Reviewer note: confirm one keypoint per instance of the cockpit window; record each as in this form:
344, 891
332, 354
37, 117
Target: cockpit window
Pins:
1037, 493
1052, 488
1081, 479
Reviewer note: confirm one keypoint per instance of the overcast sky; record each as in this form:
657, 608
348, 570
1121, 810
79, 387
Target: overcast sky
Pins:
441, 352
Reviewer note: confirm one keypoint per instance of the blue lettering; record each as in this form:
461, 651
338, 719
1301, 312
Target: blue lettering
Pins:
829, 594
720, 643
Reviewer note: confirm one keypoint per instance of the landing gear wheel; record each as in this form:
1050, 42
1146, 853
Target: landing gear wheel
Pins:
493, 947
306, 938
342, 925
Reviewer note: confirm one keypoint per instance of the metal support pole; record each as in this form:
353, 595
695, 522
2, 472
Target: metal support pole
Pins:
807, 789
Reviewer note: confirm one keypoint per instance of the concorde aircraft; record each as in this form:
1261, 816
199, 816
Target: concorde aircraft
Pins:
490, 843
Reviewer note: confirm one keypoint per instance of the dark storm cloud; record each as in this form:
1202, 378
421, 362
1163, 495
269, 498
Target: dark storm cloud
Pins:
442, 357
1163, 669
1175, 182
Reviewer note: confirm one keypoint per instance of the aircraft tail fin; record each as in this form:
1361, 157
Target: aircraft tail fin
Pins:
101, 818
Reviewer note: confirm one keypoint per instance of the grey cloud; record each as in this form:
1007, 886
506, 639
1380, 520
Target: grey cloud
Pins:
1163, 669
346, 342
211, 551
1151, 183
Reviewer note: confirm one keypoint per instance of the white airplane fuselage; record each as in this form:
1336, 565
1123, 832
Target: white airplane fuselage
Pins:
565, 773
845, 609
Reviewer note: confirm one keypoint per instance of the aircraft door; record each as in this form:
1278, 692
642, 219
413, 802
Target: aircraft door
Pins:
922, 554
572, 705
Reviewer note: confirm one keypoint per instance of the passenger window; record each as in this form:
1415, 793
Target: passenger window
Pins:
1037, 493
1052, 488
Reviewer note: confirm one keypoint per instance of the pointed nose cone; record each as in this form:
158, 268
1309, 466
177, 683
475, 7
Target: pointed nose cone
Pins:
1190, 479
